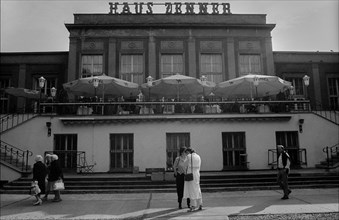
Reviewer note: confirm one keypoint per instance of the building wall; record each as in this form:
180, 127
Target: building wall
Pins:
205, 137
229, 35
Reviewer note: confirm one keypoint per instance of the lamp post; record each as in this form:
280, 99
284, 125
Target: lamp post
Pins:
42, 81
203, 79
53, 93
256, 84
95, 83
149, 84
306, 80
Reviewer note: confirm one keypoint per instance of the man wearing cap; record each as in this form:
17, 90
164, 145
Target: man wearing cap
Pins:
283, 167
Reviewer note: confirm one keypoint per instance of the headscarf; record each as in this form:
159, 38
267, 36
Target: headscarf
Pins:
54, 157
38, 158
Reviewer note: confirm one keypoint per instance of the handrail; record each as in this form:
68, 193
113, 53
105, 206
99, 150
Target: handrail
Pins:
330, 152
81, 162
327, 112
15, 156
9, 121
298, 157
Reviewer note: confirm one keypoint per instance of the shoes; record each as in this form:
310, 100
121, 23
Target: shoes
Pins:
39, 202
192, 208
56, 200
200, 207
180, 207
284, 198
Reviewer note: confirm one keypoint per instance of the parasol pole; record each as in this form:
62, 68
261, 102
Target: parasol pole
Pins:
103, 98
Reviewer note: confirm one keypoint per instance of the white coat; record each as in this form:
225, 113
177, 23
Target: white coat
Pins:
192, 188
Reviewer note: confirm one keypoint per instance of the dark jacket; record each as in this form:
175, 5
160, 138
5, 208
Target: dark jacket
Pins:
39, 174
55, 171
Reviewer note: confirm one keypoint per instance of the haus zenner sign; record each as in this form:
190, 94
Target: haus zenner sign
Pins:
187, 8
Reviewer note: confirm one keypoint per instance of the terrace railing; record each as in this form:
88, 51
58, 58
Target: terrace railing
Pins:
150, 108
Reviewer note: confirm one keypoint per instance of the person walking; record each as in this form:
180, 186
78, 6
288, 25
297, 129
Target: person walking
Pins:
48, 160
192, 188
39, 175
55, 174
283, 167
179, 174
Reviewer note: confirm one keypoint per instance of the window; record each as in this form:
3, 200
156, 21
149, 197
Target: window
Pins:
333, 91
290, 140
65, 146
173, 143
250, 64
91, 65
298, 85
121, 152
171, 64
4, 105
211, 67
132, 68
234, 150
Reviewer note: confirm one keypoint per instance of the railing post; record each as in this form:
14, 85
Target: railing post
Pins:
27, 152
328, 158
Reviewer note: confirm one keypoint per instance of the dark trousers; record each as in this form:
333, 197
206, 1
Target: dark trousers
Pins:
180, 181
283, 181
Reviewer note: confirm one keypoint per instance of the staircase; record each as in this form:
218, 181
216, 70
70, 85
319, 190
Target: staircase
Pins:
10, 121
210, 181
332, 158
330, 115
15, 158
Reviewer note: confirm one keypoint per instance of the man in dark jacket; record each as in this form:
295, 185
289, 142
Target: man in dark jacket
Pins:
283, 166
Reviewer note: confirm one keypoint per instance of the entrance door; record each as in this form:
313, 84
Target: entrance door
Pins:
290, 140
122, 151
234, 151
65, 146
173, 143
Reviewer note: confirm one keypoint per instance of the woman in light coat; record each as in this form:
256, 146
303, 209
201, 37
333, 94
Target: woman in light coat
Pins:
192, 188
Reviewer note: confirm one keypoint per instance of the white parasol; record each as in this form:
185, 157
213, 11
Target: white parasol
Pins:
107, 86
252, 86
178, 86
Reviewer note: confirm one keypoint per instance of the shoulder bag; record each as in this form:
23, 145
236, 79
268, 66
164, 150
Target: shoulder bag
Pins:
189, 176
59, 185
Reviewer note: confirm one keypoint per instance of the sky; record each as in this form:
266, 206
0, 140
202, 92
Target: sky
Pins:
39, 25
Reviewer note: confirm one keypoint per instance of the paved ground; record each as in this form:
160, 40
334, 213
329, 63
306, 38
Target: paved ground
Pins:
218, 205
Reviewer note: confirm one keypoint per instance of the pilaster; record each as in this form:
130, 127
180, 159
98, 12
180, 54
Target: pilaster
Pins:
112, 57
230, 59
269, 56
72, 60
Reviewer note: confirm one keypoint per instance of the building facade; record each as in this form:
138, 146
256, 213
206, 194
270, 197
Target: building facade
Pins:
129, 46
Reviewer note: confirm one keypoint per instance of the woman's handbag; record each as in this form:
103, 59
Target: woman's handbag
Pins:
189, 176
58, 185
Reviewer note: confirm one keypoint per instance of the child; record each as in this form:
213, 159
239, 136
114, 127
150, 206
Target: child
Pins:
35, 190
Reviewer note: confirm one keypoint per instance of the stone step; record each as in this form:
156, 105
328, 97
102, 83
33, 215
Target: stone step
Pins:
109, 184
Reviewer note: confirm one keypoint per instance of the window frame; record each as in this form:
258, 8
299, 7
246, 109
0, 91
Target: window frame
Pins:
172, 64
92, 55
132, 76
215, 77
260, 63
